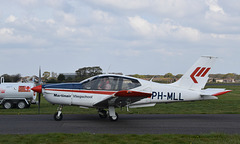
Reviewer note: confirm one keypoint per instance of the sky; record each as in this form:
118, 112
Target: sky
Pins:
128, 36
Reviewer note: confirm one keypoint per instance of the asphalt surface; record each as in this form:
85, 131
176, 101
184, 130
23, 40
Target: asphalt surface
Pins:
127, 124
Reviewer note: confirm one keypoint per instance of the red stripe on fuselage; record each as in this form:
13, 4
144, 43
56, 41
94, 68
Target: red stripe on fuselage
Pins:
84, 91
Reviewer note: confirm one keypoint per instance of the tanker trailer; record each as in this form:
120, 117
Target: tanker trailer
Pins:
16, 94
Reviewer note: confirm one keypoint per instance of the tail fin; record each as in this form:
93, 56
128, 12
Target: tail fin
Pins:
196, 77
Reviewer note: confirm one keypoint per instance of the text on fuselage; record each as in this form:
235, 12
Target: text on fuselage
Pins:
167, 96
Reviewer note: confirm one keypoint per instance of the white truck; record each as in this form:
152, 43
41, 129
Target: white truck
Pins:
16, 94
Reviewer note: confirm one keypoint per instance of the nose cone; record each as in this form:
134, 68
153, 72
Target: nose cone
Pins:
37, 89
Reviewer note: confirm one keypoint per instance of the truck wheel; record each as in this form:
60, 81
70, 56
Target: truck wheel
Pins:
7, 104
21, 104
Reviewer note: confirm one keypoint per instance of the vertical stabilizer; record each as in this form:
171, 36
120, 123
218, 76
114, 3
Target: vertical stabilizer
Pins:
196, 77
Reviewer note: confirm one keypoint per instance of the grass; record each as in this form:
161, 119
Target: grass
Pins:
87, 138
226, 104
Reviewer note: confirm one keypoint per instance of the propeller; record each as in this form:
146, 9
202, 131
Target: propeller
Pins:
38, 89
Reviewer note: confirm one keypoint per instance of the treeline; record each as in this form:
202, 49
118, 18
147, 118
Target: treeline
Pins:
86, 72
11, 78
81, 74
169, 77
225, 76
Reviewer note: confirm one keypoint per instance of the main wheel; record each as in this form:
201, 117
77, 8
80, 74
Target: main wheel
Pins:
7, 104
102, 114
58, 118
114, 118
21, 104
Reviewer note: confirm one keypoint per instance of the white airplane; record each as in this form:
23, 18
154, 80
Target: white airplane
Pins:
109, 91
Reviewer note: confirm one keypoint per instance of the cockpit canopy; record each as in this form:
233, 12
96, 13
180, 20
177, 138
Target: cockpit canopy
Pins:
110, 82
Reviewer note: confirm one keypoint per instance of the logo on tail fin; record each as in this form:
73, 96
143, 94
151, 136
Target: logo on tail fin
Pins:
199, 72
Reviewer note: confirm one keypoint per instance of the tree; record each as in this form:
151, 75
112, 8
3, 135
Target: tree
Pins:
46, 75
87, 72
12, 78
178, 76
61, 78
7, 78
16, 78
52, 80
168, 75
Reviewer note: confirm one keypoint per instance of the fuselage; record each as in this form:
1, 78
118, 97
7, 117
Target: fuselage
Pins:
89, 92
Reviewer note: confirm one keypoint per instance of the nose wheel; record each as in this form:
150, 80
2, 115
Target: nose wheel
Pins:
58, 115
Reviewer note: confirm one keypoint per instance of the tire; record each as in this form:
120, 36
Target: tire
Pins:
21, 105
58, 118
102, 114
7, 104
113, 118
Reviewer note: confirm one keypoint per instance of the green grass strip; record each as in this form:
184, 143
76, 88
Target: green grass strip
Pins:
87, 138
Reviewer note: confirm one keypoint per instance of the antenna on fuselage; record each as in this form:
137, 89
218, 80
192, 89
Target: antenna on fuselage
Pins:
152, 79
108, 69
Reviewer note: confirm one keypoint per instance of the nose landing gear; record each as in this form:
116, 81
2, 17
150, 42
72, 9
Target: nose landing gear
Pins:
58, 115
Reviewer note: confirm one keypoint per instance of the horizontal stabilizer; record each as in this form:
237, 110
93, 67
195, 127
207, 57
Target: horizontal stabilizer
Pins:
128, 93
214, 92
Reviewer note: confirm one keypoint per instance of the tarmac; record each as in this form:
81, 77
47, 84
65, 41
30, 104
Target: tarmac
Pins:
126, 124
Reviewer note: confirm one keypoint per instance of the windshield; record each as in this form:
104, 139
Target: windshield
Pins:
111, 83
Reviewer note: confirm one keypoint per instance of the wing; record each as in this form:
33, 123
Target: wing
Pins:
122, 98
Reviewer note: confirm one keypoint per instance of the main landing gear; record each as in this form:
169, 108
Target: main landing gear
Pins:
112, 115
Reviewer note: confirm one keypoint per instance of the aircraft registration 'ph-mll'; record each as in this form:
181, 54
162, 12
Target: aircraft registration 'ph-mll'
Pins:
109, 91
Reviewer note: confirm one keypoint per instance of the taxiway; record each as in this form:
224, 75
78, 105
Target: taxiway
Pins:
127, 124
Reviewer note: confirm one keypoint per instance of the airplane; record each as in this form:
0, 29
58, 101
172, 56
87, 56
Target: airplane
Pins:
110, 91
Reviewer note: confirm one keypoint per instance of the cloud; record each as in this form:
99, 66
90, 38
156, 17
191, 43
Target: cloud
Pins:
142, 26
164, 30
11, 19
8, 36
67, 18
6, 31
214, 7
102, 16
126, 31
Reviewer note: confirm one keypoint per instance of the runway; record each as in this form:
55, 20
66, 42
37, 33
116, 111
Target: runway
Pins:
127, 124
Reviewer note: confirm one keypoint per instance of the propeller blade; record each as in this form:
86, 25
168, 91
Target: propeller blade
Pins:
39, 100
40, 76
39, 89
